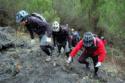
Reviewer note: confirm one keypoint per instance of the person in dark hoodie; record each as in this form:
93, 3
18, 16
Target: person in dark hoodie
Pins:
37, 26
75, 37
61, 37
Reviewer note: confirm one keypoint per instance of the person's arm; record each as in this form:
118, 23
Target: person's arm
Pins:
31, 32
54, 39
29, 25
76, 48
102, 52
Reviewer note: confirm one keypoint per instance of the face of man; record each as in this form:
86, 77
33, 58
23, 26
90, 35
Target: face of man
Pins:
23, 22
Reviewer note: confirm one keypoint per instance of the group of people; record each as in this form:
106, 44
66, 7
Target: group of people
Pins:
63, 38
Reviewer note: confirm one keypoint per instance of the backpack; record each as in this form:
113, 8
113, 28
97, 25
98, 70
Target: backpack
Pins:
39, 16
64, 28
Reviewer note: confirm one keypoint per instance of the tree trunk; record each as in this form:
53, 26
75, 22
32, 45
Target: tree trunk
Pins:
93, 15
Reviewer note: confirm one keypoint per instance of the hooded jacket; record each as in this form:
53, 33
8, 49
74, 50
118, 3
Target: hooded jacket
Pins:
99, 49
37, 26
61, 36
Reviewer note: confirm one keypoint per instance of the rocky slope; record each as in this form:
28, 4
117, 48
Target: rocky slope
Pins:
25, 63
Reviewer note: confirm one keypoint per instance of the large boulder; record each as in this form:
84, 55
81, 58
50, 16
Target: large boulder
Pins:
9, 39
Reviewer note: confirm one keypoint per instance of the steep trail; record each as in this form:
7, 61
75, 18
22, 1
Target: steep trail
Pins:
25, 63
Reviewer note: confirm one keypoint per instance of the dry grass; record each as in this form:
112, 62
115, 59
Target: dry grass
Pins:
115, 63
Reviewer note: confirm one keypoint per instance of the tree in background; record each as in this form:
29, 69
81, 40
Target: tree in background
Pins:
104, 17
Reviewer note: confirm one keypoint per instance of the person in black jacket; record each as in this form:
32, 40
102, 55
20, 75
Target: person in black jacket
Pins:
60, 37
36, 26
75, 37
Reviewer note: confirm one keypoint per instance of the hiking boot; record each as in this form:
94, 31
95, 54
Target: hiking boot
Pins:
96, 76
48, 58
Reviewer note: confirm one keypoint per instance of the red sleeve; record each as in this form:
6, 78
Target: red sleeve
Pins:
101, 52
76, 48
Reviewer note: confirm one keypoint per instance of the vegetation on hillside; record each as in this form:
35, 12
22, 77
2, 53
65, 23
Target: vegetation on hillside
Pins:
103, 17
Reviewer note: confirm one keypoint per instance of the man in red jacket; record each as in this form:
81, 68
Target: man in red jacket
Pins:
94, 48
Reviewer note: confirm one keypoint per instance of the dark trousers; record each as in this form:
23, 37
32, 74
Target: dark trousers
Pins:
47, 49
60, 45
82, 59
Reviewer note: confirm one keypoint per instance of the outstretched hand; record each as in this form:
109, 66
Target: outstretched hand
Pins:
69, 59
98, 64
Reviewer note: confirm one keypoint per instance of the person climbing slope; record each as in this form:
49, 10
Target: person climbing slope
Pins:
94, 48
60, 37
36, 26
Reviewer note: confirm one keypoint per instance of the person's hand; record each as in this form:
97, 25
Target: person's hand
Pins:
98, 64
32, 42
49, 40
69, 59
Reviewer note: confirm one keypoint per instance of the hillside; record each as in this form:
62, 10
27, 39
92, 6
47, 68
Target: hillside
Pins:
23, 63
